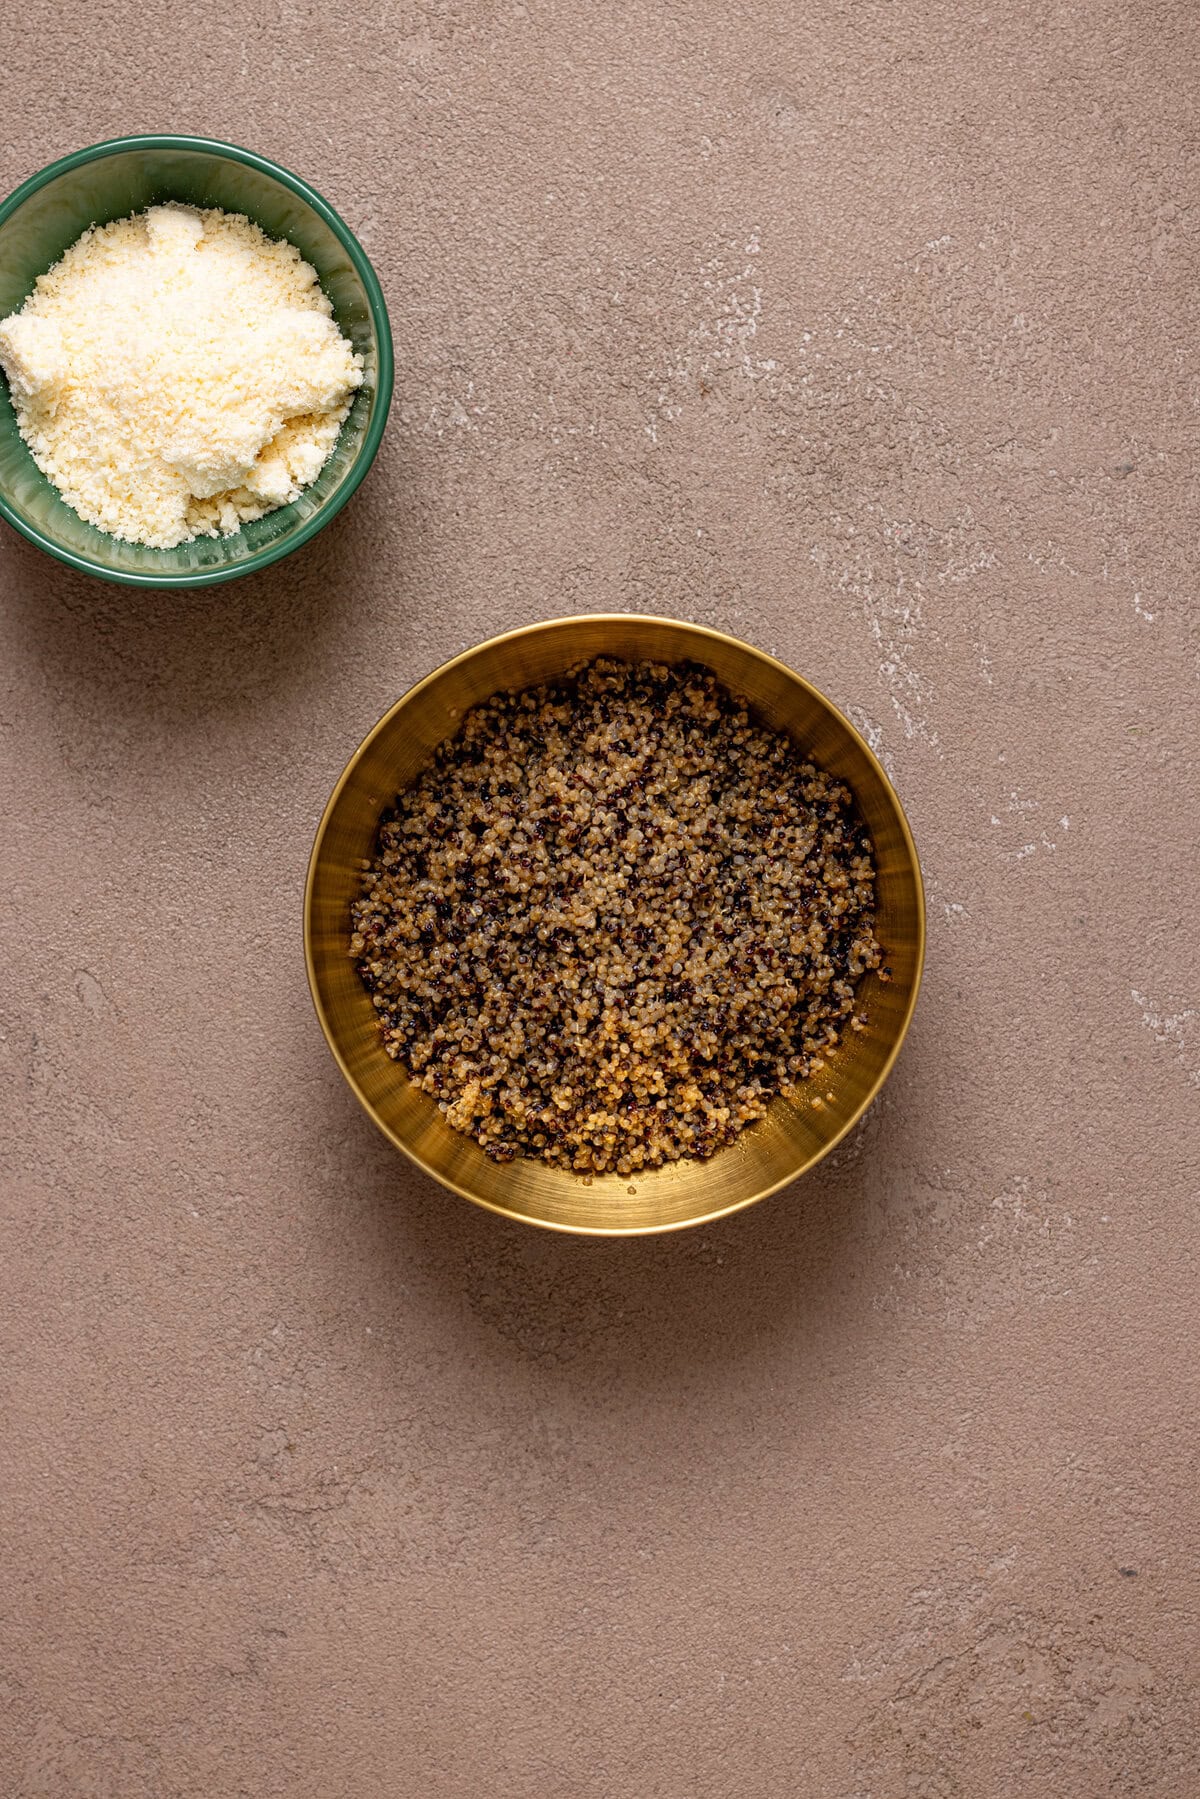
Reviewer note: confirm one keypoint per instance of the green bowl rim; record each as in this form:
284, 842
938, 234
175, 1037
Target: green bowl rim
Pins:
272, 552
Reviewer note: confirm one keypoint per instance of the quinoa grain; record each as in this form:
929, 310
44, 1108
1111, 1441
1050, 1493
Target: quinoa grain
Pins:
614, 918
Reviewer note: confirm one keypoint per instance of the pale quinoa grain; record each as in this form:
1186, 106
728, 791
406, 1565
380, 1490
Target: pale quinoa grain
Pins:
614, 917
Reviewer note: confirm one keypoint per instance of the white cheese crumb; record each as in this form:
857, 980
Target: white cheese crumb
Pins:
178, 373
32, 353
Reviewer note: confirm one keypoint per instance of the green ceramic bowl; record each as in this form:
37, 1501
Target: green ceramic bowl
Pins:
50, 211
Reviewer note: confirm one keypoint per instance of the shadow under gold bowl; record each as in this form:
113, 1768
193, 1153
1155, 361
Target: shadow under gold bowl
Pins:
797, 1131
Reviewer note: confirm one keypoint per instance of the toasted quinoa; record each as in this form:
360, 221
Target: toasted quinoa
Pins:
614, 917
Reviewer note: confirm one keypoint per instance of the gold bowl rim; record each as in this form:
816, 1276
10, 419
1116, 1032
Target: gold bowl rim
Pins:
641, 1230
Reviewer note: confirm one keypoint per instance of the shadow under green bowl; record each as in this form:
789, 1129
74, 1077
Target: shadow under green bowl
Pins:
46, 215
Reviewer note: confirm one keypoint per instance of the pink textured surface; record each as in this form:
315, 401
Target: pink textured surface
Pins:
866, 332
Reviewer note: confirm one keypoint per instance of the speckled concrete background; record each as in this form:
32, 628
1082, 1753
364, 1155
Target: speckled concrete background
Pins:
867, 332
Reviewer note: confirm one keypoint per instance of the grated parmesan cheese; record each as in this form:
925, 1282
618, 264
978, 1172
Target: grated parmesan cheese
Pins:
178, 373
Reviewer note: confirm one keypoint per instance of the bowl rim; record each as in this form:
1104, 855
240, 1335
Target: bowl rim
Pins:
644, 1230
272, 552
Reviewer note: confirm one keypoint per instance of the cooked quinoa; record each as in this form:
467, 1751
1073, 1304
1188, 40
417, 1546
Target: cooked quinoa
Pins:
614, 917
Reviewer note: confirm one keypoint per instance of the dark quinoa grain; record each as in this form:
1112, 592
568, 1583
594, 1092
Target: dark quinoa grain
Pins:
613, 918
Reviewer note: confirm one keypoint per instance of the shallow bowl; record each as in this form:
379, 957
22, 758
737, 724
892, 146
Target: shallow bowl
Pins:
110, 181
797, 1131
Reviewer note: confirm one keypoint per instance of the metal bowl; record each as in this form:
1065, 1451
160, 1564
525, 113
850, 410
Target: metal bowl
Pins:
797, 1131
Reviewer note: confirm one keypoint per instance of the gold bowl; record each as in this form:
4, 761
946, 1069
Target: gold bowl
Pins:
797, 1131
